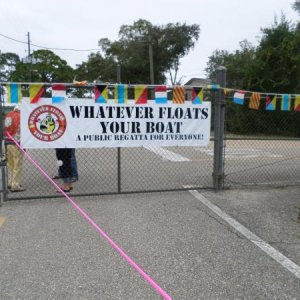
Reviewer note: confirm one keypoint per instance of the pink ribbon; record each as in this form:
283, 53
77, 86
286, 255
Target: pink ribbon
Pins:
93, 223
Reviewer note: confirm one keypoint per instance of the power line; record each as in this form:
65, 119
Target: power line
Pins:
48, 48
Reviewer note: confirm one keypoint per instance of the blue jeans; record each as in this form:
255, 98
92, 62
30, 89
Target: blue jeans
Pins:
74, 169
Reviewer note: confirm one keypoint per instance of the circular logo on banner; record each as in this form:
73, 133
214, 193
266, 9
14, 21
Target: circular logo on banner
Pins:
47, 123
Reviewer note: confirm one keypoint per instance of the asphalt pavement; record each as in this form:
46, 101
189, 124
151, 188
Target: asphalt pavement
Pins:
235, 244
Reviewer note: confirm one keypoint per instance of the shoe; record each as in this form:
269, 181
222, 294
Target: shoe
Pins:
65, 190
17, 190
74, 179
56, 177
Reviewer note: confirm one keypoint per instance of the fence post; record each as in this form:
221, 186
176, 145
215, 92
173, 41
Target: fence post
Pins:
219, 122
3, 190
119, 149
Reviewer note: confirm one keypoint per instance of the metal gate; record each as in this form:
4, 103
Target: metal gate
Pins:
125, 170
250, 158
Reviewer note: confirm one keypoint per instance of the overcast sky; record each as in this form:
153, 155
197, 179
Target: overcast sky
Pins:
80, 24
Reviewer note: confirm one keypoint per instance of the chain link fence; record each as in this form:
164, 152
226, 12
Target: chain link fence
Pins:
119, 170
261, 147
139, 170
251, 148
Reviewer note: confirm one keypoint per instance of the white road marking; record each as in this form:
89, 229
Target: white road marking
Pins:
268, 249
241, 152
166, 154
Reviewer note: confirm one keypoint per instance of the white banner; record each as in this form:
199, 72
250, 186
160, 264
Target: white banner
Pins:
82, 123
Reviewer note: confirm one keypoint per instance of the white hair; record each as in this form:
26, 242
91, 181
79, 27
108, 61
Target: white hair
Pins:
17, 107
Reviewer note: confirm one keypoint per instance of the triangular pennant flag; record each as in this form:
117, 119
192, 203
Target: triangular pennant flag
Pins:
161, 94
197, 95
227, 91
285, 103
254, 101
101, 93
178, 94
59, 92
297, 103
140, 94
14, 93
35, 92
121, 94
271, 102
239, 97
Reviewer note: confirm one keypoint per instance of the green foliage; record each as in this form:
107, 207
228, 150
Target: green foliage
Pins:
45, 67
97, 68
277, 64
8, 62
273, 66
296, 6
169, 43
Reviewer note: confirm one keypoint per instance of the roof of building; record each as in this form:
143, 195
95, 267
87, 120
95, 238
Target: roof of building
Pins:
198, 82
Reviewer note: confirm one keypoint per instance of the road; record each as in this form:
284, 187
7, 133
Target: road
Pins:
49, 251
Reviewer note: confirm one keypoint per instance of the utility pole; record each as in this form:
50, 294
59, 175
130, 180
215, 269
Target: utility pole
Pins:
118, 72
29, 55
151, 60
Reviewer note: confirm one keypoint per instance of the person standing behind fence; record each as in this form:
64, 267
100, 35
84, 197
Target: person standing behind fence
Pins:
74, 168
13, 154
64, 156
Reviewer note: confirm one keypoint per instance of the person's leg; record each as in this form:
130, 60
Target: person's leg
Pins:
59, 173
74, 165
10, 164
65, 156
18, 167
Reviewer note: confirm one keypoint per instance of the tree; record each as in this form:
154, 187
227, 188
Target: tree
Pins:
238, 65
277, 63
170, 43
8, 62
97, 68
45, 67
273, 66
296, 6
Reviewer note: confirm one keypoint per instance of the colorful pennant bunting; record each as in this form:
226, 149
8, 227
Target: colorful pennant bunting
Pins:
254, 101
239, 97
197, 95
14, 93
178, 94
271, 102
285, 103
161, 94
35, 92
140, 94
59, 93
101, 93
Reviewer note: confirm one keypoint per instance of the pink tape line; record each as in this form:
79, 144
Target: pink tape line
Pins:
93, 223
